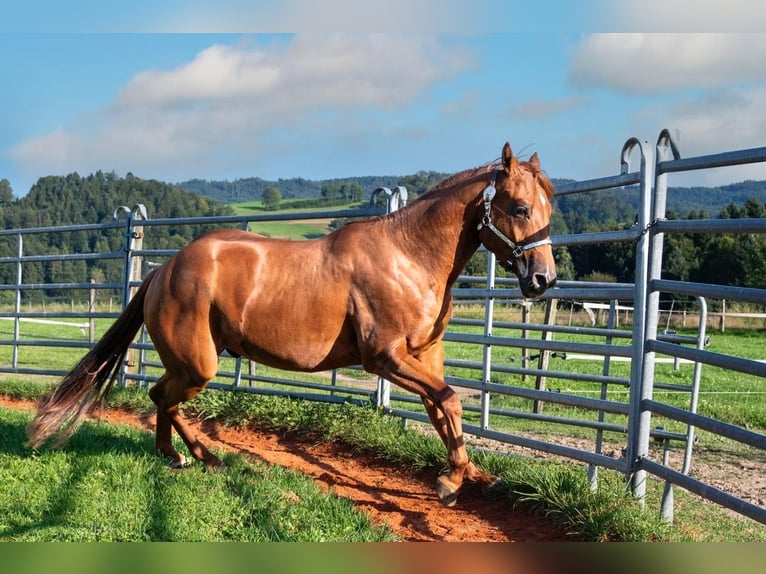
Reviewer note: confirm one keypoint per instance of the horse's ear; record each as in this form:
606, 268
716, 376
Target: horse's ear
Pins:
509, 162
534, 161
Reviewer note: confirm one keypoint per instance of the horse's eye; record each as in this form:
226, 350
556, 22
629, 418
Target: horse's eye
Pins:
521, 211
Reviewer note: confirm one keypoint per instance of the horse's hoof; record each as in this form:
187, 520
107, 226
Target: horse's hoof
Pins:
446, 493
495, 488
181, 462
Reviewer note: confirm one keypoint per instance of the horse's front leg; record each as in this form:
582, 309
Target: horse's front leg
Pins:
448, 484
424, 375
472, 472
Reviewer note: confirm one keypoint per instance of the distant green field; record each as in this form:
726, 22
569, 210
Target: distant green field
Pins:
301, 229
291, 229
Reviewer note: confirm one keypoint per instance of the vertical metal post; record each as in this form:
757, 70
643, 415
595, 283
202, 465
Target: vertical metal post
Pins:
544, 358
666, 150
489, 318
134, 236
91, 310
394, 200
238, 371
696, 377
639, 420
526, 312
611, 321
668, 500
17, 303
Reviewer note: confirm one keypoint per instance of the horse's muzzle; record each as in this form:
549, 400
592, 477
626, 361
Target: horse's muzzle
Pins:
536, 284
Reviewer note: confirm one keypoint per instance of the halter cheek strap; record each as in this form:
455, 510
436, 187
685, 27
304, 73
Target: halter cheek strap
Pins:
486, 221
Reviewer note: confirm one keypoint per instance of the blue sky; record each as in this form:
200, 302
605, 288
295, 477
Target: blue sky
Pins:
185, 91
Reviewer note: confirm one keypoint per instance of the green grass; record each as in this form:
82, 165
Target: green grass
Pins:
733, 397
288, 230
107, 485
296, 229
560, 490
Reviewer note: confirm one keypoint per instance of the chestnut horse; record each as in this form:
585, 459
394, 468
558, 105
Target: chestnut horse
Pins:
375, 293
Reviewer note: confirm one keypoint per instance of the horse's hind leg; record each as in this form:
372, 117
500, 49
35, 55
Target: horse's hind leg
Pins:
167, 394
163, 430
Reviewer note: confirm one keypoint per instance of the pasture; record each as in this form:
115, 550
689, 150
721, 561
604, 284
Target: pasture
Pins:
299, 229
737, 398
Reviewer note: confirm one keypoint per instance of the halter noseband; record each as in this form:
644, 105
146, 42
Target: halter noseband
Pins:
486, 221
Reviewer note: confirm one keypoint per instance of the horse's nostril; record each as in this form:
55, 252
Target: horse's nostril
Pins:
540, 281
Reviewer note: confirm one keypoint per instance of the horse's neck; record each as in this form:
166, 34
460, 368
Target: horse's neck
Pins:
441, 229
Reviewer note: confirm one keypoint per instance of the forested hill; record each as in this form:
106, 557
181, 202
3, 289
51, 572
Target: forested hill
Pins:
711, 200
682, 201
61, 200
252, 188
71, 199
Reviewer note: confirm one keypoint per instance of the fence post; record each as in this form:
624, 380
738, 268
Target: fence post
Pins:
639, 419
134, 238
17, 303
611, 324
542, 361
526, 313
91, 309
394, 200
489, 317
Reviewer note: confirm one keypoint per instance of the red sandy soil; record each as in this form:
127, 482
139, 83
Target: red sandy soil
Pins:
403, 501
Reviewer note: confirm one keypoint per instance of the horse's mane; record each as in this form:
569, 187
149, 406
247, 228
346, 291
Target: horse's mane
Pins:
472, 172
462, 176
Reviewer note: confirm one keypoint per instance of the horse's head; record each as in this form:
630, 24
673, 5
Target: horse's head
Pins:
515, 222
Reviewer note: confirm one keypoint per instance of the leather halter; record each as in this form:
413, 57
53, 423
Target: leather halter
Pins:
486, 221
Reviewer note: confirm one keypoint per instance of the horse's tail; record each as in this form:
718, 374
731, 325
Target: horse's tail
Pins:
89, 382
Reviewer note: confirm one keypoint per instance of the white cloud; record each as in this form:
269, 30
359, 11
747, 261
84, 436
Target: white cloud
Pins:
684, 15
708, 89
232, 102
718, 121
368, 16
656, 63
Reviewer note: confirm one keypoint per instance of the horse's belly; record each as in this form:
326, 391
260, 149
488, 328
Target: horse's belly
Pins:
297, 342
